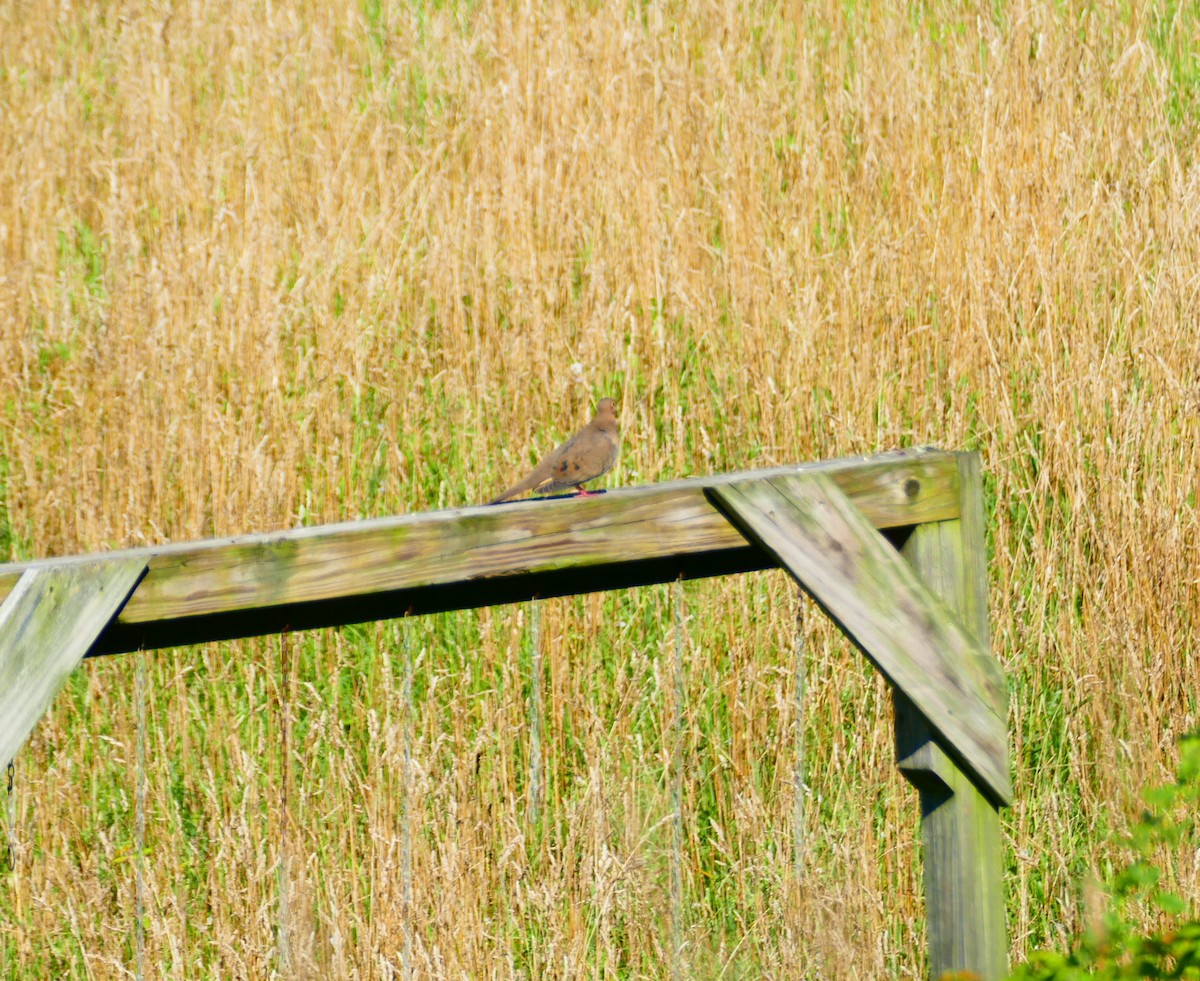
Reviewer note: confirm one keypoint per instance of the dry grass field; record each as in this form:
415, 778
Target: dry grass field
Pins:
270, 264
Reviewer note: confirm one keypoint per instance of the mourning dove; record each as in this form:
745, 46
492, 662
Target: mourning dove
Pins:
589, 454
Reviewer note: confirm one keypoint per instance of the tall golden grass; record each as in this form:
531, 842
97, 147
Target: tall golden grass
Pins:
277, 263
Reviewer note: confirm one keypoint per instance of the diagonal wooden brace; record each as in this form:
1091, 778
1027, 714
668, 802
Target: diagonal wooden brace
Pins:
813, 530
47, 624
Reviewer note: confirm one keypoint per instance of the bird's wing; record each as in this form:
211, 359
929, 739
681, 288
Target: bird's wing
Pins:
589, 455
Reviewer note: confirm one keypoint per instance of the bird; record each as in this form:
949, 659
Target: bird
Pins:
589, 454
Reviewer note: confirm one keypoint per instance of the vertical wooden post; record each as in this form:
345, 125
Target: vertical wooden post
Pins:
960, 825
924, 625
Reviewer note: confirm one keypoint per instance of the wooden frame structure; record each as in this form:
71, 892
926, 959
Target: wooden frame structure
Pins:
890, 546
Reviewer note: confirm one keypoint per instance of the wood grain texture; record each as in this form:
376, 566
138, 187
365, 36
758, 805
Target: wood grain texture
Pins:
816, 533
479, 556
47, 623
960, 826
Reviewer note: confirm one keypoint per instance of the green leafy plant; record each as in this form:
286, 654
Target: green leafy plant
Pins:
1118, 946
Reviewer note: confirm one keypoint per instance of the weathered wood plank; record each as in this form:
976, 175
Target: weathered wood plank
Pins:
960, 827
480, 556
817, 534
47, 623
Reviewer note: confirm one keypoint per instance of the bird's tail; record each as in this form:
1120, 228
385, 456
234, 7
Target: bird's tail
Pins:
518, 488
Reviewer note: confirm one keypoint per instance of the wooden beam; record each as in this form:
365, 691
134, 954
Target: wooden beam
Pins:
47, 623
815, 532
960, 827
479, 556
